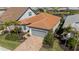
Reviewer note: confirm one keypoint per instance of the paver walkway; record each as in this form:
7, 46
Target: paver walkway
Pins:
33, 43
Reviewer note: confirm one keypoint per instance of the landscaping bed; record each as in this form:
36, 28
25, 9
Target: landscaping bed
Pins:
56, 47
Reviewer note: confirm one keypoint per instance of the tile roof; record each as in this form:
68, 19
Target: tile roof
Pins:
13, 13
42, 21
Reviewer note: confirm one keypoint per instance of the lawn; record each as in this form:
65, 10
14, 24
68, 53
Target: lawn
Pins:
56, 47
74, 11
9, 44
67, 12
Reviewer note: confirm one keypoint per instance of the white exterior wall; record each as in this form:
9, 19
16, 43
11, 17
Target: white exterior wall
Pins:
55, 27
39, 32
9, 28
26, 15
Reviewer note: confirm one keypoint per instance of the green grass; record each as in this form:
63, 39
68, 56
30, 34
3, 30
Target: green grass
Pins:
67, 12
74, 11
56, 47
8, 43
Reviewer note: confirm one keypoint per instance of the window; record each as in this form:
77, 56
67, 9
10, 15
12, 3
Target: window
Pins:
30, 13
24, 27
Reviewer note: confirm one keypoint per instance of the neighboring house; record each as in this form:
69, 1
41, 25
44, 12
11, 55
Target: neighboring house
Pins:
35, 8
40, 24
16, 13
73, 21
2, 10
73, 8
29, 13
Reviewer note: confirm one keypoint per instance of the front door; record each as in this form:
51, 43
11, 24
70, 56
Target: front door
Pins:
25, 28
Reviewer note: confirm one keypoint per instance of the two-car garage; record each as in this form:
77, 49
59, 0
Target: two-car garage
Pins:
38, 32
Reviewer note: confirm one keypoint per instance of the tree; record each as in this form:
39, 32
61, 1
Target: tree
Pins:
67, 34
7, 24
56, 8
40, 10
16, 29
77, 40
68, 29
10, 23
49, 39
1, 27
72, 42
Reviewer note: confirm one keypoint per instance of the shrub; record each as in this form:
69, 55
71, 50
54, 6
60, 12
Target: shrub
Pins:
1, 27
71, 42
16, 30
12, 36
41, 10
28, 35
68, 29
49, 39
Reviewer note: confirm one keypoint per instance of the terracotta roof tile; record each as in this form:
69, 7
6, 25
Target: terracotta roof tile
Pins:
13, 13
42, 21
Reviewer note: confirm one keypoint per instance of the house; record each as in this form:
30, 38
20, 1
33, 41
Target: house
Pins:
73, 8
40, 24
2, 10
16, 13
73, 21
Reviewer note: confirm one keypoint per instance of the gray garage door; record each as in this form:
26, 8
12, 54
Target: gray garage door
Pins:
40, 33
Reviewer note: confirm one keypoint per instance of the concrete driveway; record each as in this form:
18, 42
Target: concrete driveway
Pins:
33, 43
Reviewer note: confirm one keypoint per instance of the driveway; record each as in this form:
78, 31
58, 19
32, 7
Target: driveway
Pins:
33, 43
3, 49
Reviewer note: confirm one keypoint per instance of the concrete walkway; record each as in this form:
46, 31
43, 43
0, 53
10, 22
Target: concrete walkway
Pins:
3, 49
33, 43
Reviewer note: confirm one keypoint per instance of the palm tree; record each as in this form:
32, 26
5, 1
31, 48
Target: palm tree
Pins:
15, 23
76, 37
66, 31
7, 25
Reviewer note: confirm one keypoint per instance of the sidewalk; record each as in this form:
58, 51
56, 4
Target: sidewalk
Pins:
3, 49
